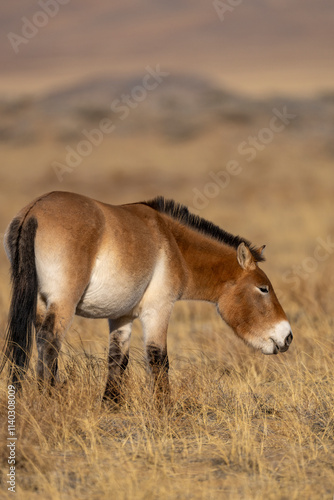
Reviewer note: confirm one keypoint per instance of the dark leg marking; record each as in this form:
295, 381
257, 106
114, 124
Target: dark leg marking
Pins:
157, 358
159, 364
48, 349
117, 363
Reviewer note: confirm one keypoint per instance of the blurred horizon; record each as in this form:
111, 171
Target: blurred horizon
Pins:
267, 48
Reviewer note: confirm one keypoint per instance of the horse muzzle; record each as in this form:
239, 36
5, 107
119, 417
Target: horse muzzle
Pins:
283, 348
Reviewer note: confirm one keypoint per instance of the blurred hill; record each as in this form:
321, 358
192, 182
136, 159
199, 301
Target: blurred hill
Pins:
179, 109
266, 46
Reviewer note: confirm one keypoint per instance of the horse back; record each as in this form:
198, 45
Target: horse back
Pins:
102, 257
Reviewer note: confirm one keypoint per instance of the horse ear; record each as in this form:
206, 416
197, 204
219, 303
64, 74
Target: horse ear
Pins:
245, 257
261, 250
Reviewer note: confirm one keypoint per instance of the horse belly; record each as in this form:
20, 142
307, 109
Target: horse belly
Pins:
111, 293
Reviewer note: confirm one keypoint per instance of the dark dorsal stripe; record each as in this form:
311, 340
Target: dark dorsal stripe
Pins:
181, 214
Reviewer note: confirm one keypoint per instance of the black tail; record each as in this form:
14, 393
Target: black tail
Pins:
19, 336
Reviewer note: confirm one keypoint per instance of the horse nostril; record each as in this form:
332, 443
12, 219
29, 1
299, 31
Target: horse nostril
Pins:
289, 338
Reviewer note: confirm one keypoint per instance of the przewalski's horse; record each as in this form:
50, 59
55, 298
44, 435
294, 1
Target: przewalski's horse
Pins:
72, 255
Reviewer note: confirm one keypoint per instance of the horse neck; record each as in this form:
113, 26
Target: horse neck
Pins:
209, 264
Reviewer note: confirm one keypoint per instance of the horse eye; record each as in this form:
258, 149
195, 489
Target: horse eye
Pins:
263, 289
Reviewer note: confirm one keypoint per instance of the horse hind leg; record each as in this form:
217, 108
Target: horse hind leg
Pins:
49, 335
118, 357
40, 314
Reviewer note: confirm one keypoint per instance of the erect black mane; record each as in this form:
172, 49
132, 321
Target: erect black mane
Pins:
181, 214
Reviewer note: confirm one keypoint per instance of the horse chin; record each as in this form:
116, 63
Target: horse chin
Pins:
272, 348
267, 347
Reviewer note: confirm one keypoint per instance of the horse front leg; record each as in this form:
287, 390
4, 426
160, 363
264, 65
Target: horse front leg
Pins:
118, 357
157, 358
155, 324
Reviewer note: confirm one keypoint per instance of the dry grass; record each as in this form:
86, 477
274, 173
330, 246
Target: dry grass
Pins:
241, 425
